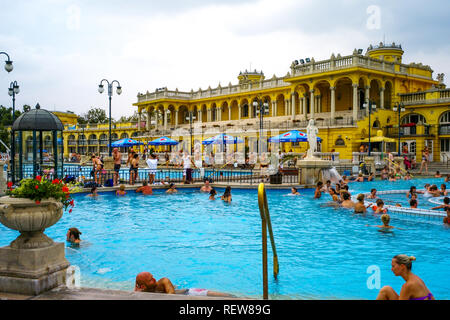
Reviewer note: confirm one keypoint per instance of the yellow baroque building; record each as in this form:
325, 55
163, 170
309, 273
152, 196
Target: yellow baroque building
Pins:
334, 92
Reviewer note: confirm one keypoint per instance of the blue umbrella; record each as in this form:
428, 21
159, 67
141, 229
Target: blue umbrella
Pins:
127, 142
291, 136
223, 139
163, 141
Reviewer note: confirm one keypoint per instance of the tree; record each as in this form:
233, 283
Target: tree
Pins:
94, 115
5, 123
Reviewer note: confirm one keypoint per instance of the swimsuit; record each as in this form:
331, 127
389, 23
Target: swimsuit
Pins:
427, 297
116, 167
196, 292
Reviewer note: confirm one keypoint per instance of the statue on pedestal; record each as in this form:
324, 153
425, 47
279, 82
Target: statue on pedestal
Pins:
311, 132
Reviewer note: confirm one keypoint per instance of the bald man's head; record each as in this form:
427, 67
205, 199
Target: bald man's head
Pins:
145, 282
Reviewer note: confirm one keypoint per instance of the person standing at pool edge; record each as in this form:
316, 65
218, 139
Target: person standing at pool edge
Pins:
414, 287
117, 157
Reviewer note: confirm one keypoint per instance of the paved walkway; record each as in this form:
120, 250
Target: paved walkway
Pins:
63, 293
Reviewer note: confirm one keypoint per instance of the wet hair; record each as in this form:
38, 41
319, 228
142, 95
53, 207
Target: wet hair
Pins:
135, 155
405, 260
294, 188
334, 190
319, 183
447, 200
93, 189
385, 218
122, 187
380, 202
345, 187
75, 233
411, 190
345, 195
360, 197
172, 185
372, 190
413, 202
328, 181
227, 191
144, 183
443, 186
213, 192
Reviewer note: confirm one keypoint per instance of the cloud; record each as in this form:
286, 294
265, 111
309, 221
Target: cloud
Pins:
62, 49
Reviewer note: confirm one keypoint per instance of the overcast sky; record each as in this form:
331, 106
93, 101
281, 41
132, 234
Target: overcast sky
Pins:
62, 49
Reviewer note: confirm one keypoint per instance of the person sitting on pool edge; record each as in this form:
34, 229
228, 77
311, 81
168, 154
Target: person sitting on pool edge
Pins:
145, 282
414, 287
73, 235
145, 189
121, 191
172, 189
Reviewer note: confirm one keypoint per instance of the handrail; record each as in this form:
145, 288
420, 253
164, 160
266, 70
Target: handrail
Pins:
266, 225
397, 165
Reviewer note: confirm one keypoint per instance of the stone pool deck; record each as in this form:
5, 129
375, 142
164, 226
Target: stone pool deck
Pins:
63, 293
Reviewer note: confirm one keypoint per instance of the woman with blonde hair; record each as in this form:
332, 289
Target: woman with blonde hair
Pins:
414, 287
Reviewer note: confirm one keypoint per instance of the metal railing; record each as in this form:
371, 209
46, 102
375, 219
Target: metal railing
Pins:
266, 226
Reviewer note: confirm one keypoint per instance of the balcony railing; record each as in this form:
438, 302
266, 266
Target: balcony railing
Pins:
432, 96
93, 142
409, 131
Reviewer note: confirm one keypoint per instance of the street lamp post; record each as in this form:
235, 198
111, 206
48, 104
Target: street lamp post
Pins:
263, 109
399, 107
190, 117
371, 105
12, 91
8, 63
110, 93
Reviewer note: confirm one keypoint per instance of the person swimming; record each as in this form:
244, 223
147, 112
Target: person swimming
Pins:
414, 287
346, 200
378, 209
93, 192
212, 194
444, 191
334, 195
121, 191
443, 206
294, 192
227, 195
413, 203
360, 206
447, 218
318, 191
373, 194
73, 236
172, 188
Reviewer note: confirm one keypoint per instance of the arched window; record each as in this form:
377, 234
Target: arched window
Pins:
413, 118
444, 124
124, 135
245, 111
339, 142
135, 134
376, 124
445, 118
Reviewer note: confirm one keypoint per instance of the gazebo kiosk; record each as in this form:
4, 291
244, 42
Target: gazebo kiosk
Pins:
37, 145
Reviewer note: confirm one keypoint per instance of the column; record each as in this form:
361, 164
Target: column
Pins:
293, 106
219, 114
149, 118
311, 107
355, 102
333, 104
176, 118
156, 118
276, 107
165, 118
208, 114
382, 98
367, 98
273, 108
239, 111
139, 120
286, 107
200, 116
229, 113
305, 109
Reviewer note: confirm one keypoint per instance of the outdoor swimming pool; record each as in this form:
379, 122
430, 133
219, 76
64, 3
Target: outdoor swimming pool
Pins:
324, 253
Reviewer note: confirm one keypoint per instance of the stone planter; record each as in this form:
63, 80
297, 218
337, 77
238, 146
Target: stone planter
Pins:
32, 263
30, 219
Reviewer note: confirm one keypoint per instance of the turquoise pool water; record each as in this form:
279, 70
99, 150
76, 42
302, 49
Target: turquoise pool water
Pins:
324, 252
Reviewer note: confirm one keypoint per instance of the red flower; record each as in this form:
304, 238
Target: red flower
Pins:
71, 203
70, 211
65, 189
38, 178
10, 184
36, 187
55, 181
38, 202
